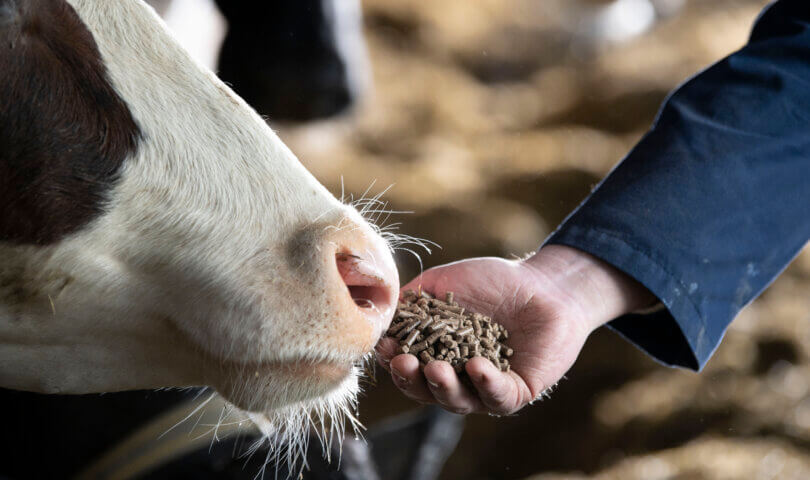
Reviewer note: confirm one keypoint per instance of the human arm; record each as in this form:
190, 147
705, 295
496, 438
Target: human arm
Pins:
713, 203
550, 302
704, 212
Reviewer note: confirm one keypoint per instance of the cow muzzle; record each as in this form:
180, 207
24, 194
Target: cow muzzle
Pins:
342, 283
354, 268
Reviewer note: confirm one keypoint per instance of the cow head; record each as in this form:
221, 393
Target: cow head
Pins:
155, 232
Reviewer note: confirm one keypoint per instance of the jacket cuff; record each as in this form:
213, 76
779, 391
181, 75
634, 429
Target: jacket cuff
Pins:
675, 335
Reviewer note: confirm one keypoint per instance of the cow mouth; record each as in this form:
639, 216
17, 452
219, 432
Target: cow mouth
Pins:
266, 386
318, 374
300, 369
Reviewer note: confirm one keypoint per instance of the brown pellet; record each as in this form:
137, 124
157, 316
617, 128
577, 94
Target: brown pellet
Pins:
411, 324
411, 337
438, 325
419, 347
464, 331
394, 329
507, 352
436, 335
454, 309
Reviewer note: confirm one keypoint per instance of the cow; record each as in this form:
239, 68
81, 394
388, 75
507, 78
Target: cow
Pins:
598, 22
292, 60
155, 232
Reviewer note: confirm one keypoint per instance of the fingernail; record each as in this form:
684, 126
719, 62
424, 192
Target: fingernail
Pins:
434, 385
399, 377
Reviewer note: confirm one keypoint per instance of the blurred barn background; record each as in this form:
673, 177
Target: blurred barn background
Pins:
492, 119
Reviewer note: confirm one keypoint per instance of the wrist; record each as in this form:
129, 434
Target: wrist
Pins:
597, 289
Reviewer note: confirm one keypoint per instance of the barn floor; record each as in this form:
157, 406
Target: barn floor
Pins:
492, 121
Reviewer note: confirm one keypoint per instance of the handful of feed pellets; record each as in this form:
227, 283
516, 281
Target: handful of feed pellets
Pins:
433, 329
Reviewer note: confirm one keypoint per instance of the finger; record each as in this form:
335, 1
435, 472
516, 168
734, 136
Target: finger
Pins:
386, 350
498, 391
448, 390
408, 378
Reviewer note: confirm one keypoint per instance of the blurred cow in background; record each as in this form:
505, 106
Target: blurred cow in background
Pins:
600, 22
290, 60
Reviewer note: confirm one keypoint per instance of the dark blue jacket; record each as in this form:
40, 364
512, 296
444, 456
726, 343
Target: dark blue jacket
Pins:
714, 202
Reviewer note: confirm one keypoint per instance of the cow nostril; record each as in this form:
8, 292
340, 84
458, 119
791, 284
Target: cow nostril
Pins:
364, 296
365, 282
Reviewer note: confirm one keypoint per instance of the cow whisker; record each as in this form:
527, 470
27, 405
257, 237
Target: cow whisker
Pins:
373, 209
197, 409
285, 432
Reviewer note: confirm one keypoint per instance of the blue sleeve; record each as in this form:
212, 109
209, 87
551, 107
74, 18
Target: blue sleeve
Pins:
714, 202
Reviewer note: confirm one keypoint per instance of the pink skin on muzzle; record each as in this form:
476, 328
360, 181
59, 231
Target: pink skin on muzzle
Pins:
372, 284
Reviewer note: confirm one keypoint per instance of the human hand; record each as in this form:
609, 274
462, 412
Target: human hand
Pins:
549, 302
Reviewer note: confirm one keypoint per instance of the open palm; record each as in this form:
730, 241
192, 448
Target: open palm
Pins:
546, 328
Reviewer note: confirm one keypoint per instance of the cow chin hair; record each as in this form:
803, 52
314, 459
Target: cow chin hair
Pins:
285, 431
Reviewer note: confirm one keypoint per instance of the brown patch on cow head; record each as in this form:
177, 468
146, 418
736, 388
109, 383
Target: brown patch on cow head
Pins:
64, 131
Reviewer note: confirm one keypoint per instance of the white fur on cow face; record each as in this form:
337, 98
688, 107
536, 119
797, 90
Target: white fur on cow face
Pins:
214, 263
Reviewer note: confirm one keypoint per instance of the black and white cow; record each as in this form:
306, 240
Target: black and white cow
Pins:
292, 60
295, 59
155, 232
